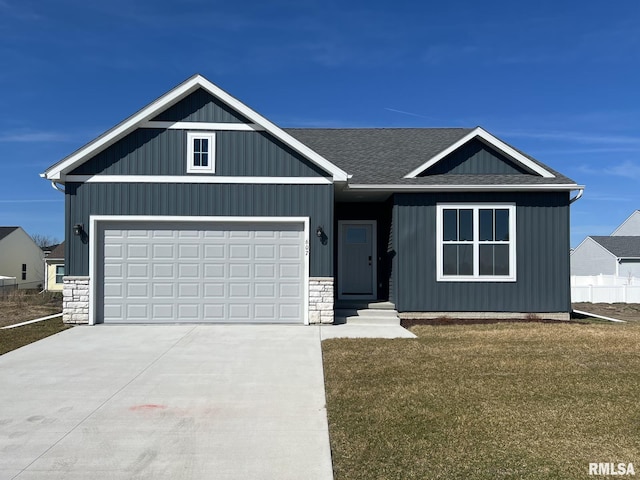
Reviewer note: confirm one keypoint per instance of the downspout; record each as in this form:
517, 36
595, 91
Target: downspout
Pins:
577, 197
55, 186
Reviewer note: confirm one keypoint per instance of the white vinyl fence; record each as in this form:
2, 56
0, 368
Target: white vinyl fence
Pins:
605, 289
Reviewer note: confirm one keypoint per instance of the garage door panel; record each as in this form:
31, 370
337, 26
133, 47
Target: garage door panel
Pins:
138, 290
257, 272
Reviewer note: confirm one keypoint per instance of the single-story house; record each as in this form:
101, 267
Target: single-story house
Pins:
607, 255
21, 258
199, 209
54, 266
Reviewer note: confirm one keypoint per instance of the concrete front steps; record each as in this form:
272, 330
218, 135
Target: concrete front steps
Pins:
365, 313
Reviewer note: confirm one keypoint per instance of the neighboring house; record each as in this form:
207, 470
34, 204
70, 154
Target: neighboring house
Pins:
21, 258
199, 209
630, 227
602, 255
54, 264
617, 254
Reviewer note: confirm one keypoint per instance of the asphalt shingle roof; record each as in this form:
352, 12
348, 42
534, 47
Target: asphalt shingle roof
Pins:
4, 231
386, 155
57, 252
620, 246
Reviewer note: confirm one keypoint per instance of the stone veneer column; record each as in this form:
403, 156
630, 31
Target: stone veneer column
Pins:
75, 299
320, 300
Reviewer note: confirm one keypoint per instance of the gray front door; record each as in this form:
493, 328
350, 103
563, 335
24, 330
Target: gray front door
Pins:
357, 259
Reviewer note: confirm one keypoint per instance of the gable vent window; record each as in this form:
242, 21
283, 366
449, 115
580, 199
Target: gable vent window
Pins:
476, 242
24, 271
201, 152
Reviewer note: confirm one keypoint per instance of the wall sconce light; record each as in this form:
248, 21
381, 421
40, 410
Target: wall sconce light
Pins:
78, 229
319, 231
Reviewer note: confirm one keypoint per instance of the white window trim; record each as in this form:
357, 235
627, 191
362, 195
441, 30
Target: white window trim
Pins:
476, 277
211, 137
55, 280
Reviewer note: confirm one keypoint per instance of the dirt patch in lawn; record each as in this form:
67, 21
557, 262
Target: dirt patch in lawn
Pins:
24, 305
629, 312
17, 337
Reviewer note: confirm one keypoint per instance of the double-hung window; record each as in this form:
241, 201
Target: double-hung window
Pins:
59, 273
201, 148
476, 242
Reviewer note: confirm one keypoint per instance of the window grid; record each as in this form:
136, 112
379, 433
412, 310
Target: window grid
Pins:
59, 273
201, 149
480, 258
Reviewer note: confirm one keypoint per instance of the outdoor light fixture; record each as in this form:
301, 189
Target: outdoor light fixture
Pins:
78, 228
319, 231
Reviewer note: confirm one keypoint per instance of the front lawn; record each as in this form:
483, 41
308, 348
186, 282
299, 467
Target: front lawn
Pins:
24, 305
535, 401
17, 337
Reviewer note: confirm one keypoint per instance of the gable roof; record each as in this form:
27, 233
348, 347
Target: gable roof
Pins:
385, 156
621, 247
630, 219
57, 172
4, 231
57, 253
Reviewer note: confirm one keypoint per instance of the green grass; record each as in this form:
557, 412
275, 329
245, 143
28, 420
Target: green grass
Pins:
534, 401
17, 337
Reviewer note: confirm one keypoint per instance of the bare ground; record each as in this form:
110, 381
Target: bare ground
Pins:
21, 306
629, 312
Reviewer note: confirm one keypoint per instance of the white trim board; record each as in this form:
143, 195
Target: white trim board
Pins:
466, 188
197, 179
232, 127
94, 242
489, 140
60, 169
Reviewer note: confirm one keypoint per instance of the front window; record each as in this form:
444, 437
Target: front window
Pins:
24, 271
476, 242
59, 273
201, 148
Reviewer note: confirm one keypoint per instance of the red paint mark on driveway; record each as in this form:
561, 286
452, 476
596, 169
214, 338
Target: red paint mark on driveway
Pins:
147, 407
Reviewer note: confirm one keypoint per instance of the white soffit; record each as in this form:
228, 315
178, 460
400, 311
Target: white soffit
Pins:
140, 119
489, 140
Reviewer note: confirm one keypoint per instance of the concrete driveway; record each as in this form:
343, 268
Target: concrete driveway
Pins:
155, 402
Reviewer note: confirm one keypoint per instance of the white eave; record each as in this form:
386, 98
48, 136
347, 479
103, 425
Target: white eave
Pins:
468, 188
58, 171
491, 141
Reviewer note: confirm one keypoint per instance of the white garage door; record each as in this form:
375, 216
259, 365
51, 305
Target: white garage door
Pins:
203, 272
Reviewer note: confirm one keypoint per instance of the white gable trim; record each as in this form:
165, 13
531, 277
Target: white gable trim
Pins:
489, 140
60, 169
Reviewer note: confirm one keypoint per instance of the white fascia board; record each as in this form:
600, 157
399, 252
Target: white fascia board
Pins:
197, 179
127, 126
338, 174
466, 188
490, 140
57, 171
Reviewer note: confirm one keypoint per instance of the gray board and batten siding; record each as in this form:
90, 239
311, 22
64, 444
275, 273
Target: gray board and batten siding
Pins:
475, 158
186, 199
151, 151
542, 246
591, 258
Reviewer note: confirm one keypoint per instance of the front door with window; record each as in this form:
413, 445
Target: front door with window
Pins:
357, 259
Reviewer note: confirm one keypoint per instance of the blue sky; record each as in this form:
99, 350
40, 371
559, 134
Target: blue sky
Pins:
559, 80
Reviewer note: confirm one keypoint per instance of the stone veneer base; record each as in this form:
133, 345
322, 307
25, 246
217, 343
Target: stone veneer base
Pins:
75, 299
320, 300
